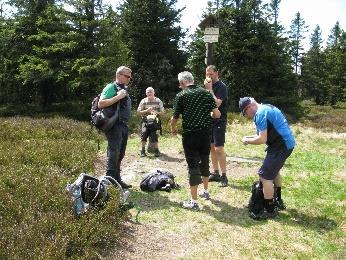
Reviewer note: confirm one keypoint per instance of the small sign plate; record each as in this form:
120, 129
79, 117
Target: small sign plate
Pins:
211, 30
211, 38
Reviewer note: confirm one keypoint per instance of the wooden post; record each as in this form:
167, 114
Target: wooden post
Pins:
209, 59
211, 34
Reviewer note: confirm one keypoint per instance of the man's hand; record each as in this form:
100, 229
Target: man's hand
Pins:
208, 84
122, 93
245, 140
174, 122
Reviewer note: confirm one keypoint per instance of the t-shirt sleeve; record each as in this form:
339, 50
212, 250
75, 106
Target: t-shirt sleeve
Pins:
261, 122
141, 105
222, 93
108, 92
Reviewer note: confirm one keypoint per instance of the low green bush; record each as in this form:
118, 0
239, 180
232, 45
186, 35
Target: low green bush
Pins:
38, 157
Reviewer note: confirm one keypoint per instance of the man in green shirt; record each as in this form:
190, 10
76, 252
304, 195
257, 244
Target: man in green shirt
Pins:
112, 95
197, 107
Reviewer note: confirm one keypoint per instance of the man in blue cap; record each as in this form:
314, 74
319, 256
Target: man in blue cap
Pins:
272, 129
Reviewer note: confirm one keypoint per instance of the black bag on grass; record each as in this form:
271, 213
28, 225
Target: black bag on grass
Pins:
92, 192
158, 179
256, 202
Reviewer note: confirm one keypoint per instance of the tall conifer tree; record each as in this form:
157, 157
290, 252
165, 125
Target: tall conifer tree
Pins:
151, 30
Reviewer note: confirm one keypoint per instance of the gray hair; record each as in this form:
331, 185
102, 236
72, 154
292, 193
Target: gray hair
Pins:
149, 88
123, 69
185, 76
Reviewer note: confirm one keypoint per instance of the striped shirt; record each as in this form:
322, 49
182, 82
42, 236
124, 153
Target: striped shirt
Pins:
156, 104
194, 104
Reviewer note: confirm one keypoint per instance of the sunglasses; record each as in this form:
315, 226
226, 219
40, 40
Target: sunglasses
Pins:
245, 110
127, 76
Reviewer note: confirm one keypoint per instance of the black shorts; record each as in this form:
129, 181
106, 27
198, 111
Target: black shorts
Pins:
145, 133
197, 150
273, 162
218, 132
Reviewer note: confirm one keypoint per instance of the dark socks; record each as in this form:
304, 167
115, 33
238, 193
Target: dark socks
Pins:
224, 174
278, 193
269, 205
216, 172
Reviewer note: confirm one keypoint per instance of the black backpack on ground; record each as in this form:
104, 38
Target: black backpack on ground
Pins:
256, 202
158, 179
92, 192
103, 119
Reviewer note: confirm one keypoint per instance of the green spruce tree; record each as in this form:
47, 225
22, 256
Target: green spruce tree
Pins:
150, 29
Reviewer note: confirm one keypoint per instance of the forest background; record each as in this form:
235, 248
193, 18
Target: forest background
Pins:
57, 55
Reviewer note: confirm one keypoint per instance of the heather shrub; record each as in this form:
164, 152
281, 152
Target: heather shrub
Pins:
38, 157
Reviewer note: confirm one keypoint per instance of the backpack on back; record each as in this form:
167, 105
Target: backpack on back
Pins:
256, 202
100, 118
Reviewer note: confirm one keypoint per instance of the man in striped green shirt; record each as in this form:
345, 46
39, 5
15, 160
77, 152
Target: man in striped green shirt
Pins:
197, 107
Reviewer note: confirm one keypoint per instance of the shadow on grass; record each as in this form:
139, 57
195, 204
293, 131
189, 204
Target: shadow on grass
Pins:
231, 215
149, 201
294, 217
158, 200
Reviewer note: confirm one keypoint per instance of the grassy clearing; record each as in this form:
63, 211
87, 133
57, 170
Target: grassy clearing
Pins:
314, 189
38, 157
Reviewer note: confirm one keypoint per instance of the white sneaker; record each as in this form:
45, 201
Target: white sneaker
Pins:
205, 195
190, 205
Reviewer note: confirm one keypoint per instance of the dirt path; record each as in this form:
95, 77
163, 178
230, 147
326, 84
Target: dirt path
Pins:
147, 240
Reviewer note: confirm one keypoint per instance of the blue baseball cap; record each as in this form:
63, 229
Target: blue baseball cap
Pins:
243, 103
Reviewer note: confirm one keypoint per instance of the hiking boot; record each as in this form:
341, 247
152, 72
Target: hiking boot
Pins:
223, 181
204, 195
263, 215
124, 185
268, 215
190, 205
142, 153
280, 205
215, 177
156, 152
150, 149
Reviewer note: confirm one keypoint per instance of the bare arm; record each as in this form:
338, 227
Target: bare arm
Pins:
110, 101
261, 138
145, 111
174, 122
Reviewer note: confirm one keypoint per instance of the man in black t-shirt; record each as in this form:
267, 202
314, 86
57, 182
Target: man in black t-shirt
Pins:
220, 94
